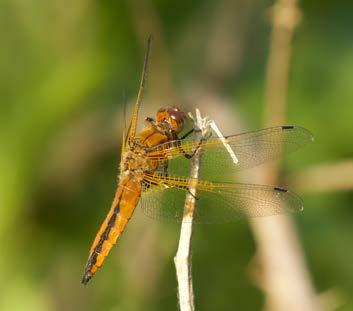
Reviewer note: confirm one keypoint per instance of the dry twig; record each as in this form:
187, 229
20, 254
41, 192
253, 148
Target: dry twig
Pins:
315, 179
183, 256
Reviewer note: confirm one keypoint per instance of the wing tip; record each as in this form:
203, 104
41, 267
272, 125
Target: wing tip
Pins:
299, 207
309, 137
149, 38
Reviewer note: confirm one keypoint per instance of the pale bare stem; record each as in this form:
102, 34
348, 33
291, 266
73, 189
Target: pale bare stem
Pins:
284, 276
182, 258
315, 179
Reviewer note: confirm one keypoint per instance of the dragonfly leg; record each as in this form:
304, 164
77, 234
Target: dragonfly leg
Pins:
150, 121
186, 155
188, 133
163, 169
189, 156
193, 195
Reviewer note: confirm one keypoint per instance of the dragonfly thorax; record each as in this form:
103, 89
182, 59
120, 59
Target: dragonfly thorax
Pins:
134, 161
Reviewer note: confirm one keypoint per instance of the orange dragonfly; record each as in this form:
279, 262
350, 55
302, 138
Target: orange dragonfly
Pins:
150, 158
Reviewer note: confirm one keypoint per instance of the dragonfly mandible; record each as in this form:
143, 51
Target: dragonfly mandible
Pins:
146, 178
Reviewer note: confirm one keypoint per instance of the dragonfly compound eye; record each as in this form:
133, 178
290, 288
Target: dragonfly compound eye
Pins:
174, 116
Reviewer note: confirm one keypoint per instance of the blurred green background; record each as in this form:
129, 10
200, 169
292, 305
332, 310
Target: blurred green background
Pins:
67, 68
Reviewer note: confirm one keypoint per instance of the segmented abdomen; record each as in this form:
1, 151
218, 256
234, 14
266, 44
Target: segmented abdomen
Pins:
126, 198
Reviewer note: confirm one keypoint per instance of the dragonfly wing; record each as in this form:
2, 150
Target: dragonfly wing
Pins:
250, 149
164, 198
133, 123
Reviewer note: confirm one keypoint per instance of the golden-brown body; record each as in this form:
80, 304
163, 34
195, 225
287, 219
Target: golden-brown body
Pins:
144, 171
126, 198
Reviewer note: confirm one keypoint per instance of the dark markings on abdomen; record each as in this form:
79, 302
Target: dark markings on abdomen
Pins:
93, 258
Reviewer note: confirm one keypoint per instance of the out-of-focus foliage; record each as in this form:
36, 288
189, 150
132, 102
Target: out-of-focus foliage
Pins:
67, 67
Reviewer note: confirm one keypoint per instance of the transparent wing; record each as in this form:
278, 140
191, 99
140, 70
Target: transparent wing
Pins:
251, 148
163, 198
133, 123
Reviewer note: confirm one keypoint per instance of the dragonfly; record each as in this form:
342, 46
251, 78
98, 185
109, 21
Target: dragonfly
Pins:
147, 174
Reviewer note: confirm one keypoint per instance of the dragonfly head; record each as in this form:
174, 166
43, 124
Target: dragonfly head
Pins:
173, 116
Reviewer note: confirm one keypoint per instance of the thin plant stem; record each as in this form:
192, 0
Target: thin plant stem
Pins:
183, 257
280, 253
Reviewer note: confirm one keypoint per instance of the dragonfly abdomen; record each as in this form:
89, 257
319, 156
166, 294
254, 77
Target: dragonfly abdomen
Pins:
125, 201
